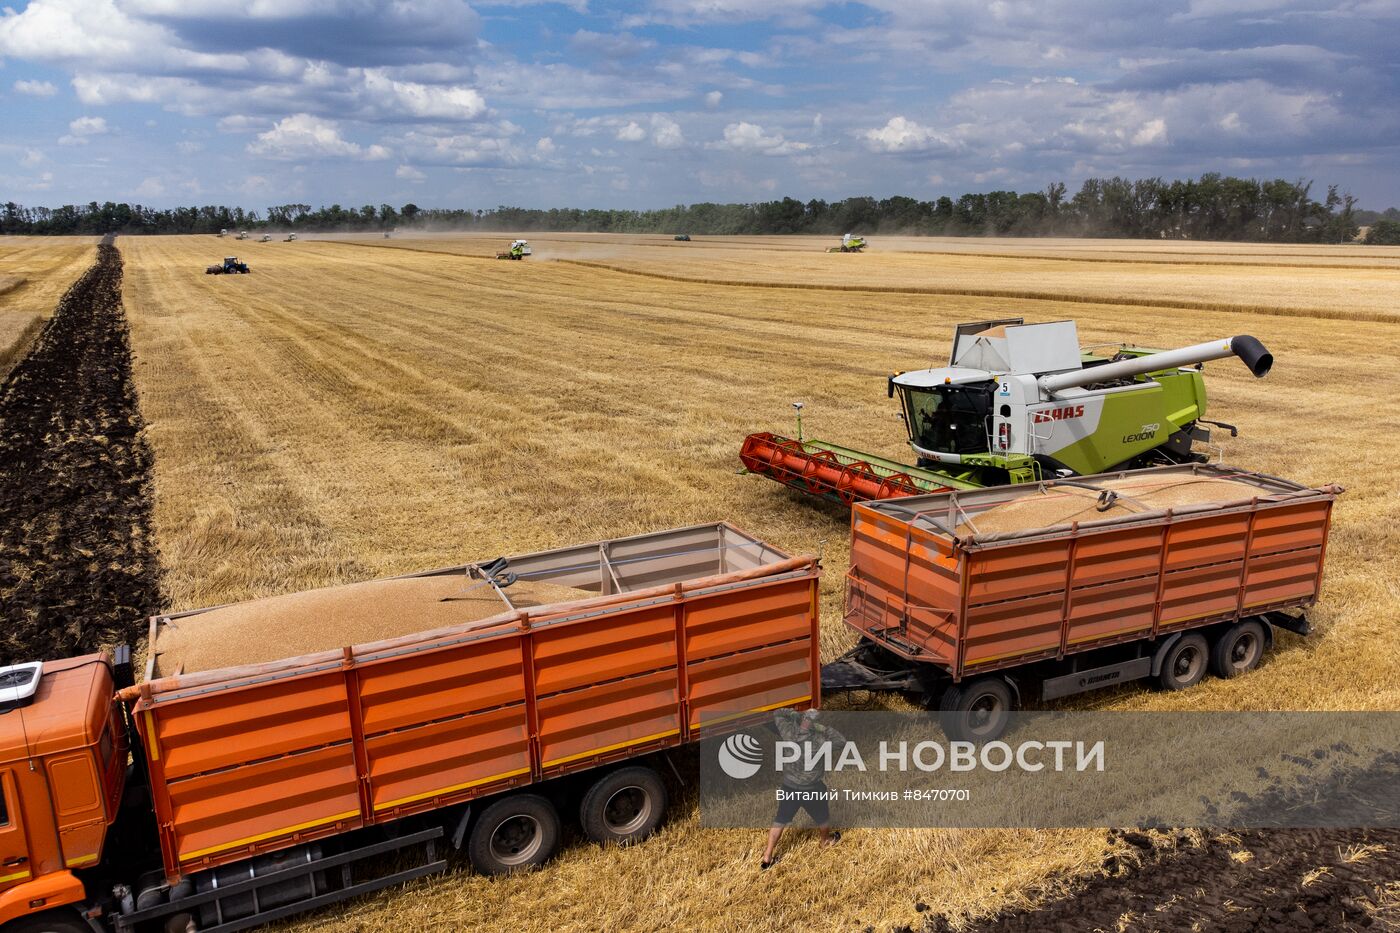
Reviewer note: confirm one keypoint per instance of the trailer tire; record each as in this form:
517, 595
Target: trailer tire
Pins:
1238, 650
514, 833
51, 921
623, 806
976, 711
1185, 662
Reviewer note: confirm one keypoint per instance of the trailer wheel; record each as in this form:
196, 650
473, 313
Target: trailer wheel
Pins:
623, 806
976, 711
1238, 649
51, 921
516, 832
1185, 663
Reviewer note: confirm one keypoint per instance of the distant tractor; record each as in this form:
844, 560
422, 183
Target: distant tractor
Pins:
519, 249
242, 234
229, 266
850, 243
291, 238
223, 231
682, 238
266, 238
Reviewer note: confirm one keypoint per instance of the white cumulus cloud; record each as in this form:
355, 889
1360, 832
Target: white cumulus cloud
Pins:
665, 132
36, 88
303, 136
632, 132
1153, 131
750, 137
82, 129
901, 134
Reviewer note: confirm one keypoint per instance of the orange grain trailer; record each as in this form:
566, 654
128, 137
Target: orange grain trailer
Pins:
284, 783
981, 601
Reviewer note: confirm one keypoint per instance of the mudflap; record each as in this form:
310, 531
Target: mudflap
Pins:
1298, 624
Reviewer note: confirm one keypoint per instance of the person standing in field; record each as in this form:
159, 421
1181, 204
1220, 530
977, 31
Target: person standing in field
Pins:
803, 787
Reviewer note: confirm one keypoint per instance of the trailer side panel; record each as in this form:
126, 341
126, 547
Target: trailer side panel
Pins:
263, 762
926, 586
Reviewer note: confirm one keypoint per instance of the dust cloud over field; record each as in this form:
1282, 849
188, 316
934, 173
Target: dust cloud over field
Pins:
371, 406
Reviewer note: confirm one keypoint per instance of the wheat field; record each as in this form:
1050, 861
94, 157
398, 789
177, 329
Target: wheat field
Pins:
34, 272
361, 407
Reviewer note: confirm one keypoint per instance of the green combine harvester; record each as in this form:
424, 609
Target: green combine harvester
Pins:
1020, 403
519, 249
850, 243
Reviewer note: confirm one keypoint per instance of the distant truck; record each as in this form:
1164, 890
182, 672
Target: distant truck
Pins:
983, 601
285, 783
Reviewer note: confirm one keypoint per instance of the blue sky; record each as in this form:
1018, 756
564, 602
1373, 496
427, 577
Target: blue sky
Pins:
647, 104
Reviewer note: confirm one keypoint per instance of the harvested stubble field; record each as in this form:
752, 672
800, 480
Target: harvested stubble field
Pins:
34, 272
359, 409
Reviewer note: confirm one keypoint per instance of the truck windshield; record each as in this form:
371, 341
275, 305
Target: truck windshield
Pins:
949, 419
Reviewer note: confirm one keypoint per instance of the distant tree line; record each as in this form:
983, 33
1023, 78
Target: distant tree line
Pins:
1212, 207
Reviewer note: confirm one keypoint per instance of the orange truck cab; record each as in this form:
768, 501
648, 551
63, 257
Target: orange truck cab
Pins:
63, 755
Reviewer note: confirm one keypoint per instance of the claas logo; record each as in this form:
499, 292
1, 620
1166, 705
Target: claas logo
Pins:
1059, 414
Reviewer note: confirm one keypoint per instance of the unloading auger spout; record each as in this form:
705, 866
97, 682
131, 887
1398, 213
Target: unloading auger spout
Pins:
1250, 351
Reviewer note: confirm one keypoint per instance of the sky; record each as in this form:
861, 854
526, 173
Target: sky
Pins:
587, 103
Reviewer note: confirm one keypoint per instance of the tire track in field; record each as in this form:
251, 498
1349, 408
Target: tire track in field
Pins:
1152, 257
1329, 314
208, 547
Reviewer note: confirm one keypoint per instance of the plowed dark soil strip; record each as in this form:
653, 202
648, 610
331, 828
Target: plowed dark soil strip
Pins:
1273, 879
78, 566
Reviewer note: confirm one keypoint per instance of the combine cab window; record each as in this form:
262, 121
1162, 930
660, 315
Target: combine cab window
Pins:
4, 807
949, 419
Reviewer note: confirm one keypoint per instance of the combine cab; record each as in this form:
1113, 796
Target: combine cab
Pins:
230, 266
291, 238
850, 243
519, 249
1020, 403
242, 235
266, 238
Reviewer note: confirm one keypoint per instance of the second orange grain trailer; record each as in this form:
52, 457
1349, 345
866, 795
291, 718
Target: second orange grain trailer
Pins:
983, 601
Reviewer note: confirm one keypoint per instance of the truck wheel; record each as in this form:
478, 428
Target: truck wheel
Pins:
520, 831
1238, 649
623, 806
51, 921
1185, 663
976, 711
